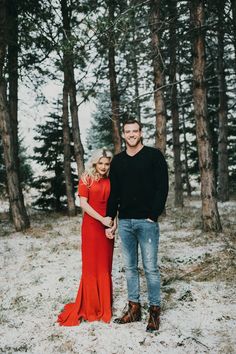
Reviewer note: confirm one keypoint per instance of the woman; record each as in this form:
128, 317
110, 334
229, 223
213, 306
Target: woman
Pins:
94, 298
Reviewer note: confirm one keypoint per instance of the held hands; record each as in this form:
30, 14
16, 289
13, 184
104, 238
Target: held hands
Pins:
107, 221
110, 233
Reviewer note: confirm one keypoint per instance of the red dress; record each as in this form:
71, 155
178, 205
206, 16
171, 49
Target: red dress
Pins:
94, 297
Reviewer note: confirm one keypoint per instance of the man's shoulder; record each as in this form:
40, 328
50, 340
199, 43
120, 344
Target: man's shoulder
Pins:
153, 150
155, 154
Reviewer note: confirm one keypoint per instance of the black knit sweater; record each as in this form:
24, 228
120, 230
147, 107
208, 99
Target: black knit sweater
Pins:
139, 185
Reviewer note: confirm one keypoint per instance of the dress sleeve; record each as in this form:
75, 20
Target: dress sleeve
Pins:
83, 190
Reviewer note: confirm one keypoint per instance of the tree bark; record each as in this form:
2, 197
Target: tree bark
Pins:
135, 64
19, 214
185, 146
115, 100
223, 169
65, 121
233, 6
69, 69
16, 199
13, 68
187, 179
174, 108
210, 215
160, 133
3, 40
67, 152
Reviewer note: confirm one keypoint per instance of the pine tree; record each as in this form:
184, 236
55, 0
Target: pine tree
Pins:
99, 134
51, 184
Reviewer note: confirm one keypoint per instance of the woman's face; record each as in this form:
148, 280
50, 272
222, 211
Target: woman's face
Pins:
103, 166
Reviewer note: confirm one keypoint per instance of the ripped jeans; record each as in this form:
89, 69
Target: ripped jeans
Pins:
134, 232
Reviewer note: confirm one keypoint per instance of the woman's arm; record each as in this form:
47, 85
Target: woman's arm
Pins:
106, 221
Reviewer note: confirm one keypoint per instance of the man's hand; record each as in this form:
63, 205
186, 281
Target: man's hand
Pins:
150, 220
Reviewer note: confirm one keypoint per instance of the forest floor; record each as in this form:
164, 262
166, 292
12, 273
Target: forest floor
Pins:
41, 268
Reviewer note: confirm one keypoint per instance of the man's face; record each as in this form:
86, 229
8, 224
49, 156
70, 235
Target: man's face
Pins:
132, 134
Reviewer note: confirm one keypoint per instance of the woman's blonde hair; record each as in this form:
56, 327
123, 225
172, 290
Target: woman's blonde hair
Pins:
90, 174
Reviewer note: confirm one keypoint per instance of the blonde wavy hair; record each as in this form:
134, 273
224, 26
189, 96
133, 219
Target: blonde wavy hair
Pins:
90, 174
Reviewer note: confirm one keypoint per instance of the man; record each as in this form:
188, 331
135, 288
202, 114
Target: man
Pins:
139, 188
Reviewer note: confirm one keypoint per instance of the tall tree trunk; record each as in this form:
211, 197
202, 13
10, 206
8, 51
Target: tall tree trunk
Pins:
78, 147
223, 169
67, 152
233, 6
174, 108
185, 147
3, 40
12, 63
19, 214
210, 215
160, 134
186, 167
13, 68
135, 64
69, 68
65, 117
115, 101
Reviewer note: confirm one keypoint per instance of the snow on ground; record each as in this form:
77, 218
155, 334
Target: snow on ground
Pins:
40, 272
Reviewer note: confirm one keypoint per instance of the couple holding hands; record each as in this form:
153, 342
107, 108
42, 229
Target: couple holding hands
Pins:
131, 187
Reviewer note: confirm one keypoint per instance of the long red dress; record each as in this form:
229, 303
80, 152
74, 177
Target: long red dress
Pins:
94, 297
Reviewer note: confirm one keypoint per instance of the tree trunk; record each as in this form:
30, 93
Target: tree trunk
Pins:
185, 147
160, 134
188, 184
3, 41
174, 108
233, 6
135, 64
65, 116
115, 104
16, 199
13, 68
78, 147
210, 215
12, 63
19, 214
223, 170
69, 68
67, 152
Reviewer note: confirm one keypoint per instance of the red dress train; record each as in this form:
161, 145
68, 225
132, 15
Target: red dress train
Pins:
94, 297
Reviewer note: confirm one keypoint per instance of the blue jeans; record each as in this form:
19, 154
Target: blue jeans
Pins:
134, 232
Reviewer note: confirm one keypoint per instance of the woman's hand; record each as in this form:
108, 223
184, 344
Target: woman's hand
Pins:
110, 233
107, 221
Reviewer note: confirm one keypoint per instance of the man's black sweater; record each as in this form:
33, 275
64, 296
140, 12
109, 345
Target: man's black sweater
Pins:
139, 185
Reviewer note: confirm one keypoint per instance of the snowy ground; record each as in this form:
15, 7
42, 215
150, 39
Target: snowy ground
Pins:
40, 272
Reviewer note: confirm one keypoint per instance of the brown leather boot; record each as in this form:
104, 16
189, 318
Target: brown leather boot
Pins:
132, 315
154, 318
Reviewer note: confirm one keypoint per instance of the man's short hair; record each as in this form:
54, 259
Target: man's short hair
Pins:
132, 121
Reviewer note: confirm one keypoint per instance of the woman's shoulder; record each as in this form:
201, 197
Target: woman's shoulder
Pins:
86, 180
